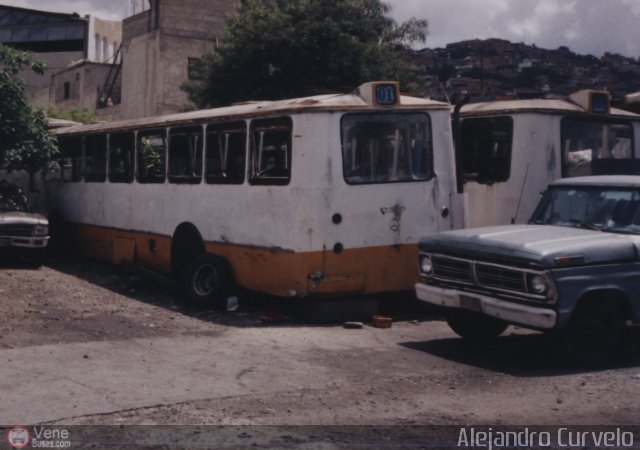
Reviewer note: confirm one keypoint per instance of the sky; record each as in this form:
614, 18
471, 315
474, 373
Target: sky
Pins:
585, 26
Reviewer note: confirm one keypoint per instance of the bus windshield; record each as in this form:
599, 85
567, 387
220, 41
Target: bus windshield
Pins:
386, 148
584, 141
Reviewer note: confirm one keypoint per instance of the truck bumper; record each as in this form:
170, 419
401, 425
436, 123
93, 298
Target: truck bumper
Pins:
540, 318
24, 242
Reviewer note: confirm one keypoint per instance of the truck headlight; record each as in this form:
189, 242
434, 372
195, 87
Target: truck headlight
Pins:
426, 265
538, 284
40, 230
543, 284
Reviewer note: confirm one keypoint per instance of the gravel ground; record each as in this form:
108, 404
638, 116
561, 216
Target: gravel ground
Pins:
287, 372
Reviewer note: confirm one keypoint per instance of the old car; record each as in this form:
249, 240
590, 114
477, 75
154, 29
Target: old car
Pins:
573, 270
21, 231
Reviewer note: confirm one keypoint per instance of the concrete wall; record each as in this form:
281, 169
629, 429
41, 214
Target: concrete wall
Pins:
101, 32
136, 25
157, 45
199, 19
139, 75
84, 80
55, 61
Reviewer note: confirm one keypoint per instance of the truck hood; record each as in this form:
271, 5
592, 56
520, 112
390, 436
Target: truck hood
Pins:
533, 245
21, 218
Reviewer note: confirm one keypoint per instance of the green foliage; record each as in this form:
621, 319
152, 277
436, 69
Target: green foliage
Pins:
289, 48
74, 114
25, 142
151, 158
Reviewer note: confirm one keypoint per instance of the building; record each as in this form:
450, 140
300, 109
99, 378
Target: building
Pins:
58, 40
162, 46
119, 70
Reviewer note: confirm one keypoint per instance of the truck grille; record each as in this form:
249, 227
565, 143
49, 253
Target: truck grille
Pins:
452, 269
486, 276
16, 230
502, 278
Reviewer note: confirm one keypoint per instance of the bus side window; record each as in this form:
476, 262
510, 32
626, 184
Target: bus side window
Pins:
95, 158
121, 151
270, 152
70, 158
226, 150
152, 148
185, 155
486, 149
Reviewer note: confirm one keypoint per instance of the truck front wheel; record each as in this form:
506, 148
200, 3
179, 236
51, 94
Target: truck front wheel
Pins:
474, 326
595, 334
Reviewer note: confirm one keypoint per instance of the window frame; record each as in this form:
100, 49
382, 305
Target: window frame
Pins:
278, 124
429, 141
597, 120
242, 129
486, 176
132, 159
98, 177
76, 161
141, 133
199, 161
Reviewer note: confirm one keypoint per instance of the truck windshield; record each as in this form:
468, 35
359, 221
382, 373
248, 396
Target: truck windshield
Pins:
607, 209
386, 148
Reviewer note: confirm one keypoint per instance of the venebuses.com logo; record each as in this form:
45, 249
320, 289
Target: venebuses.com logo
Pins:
18, 437
38, 437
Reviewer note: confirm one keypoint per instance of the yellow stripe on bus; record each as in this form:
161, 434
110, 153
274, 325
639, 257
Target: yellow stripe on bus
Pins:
273, 271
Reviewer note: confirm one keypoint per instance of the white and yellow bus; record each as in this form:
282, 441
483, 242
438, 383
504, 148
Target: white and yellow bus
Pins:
509, 151
319, 196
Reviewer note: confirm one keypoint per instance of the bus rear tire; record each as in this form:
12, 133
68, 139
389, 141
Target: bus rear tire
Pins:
206, 280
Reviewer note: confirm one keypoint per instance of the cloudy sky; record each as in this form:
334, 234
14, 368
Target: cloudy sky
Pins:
585, 26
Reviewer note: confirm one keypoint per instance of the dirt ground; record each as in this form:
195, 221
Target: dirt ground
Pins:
86, 343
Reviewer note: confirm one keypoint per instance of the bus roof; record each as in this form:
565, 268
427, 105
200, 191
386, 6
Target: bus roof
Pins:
550, 106
327, 102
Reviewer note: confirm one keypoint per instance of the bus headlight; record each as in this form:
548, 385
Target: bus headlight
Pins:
40, 230
426, 265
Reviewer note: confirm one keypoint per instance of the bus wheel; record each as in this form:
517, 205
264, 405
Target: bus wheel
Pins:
206, 280
473, 326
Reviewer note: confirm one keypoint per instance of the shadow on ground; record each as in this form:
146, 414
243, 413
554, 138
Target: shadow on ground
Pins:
254, 309
18, 261
521, 355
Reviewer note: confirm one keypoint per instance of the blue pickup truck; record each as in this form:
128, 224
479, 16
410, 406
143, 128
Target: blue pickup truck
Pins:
573, 270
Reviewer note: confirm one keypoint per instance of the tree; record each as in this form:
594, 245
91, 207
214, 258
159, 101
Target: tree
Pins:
25, 142
288, 48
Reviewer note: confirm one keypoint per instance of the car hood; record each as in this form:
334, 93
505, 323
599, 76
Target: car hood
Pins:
21, 218
537, 245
